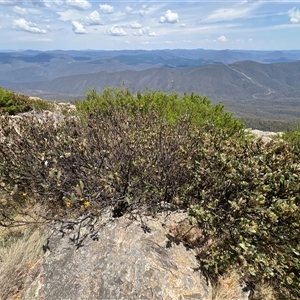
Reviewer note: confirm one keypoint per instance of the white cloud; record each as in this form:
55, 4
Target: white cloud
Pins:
39, 3
224, 14
294, 20
222, 38
144, 31
136, 25
94, 19
169, 17
128, 10
143, 11
79, 4
20, 11
107, 9
22, 24
182, 25
283, 26
140, 32
69, 15
152, 33
78, 28
116, 30
145, 43
58, 2
294, 15
9, 2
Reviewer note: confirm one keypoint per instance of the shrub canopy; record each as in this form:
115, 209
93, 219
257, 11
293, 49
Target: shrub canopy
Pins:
13, 103
158, 151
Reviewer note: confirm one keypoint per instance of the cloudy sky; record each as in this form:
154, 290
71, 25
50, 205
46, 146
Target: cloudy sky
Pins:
110, 25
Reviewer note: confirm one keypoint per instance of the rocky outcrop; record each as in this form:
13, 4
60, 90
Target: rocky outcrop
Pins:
266, 136
117, 259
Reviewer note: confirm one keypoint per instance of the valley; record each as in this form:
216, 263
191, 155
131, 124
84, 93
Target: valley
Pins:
253, 85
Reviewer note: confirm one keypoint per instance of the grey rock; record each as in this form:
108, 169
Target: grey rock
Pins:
116, 259
266, 136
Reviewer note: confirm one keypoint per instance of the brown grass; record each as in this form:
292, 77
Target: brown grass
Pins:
20, 249
264, 291
227, 287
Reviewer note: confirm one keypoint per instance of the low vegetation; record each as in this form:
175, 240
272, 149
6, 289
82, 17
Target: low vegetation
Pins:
13, 103
20, 249
156, 150
269, 125
293, 135
168, 107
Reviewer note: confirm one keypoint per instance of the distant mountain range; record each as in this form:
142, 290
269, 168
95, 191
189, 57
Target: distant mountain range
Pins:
262, 84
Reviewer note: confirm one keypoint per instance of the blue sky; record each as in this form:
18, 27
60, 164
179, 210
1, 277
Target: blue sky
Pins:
117, 25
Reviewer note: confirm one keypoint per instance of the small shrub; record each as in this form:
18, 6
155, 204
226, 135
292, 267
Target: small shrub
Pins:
247, 201
12, 103
293, 136
170, 107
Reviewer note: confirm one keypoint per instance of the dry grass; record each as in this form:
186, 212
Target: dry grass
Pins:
264, 292
20, 248
227, 287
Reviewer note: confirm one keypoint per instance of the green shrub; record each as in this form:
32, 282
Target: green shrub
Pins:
247, 200
118, 135
170, 107
293, 136
157, 151
12, 103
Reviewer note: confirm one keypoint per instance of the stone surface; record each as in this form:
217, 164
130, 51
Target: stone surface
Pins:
117, 259
266, 136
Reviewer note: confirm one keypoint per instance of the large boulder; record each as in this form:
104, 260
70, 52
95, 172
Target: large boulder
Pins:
117, 259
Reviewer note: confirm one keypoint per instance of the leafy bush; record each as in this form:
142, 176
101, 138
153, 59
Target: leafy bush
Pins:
170, 107
247, 202
126, 147
293, 135
12, 103
158, 151
96, 163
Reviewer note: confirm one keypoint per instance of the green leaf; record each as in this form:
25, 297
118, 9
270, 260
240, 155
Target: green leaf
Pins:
73, 197
59, 174
81, 184
15, 188
243, 246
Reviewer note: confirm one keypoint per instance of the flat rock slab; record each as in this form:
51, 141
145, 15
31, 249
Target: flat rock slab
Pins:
126, 262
